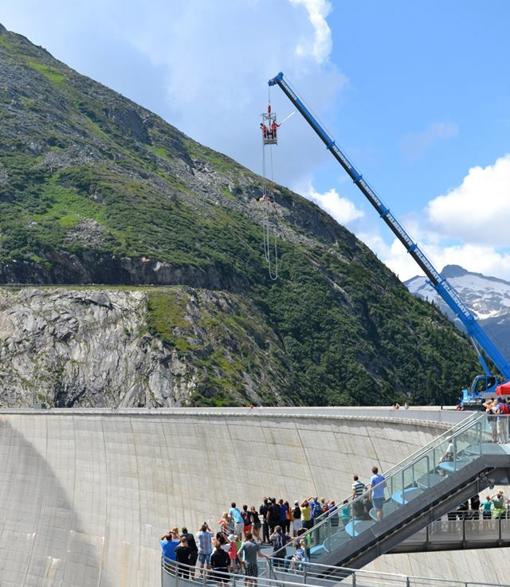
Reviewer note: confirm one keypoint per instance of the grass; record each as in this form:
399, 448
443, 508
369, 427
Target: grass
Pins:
67, 207
50, 73
166, 313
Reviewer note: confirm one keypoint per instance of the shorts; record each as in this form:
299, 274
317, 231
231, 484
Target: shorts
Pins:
378, 502
251, 570
204, 558
247, 528
220, 575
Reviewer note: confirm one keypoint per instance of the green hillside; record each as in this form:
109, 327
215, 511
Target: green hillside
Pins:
97, 190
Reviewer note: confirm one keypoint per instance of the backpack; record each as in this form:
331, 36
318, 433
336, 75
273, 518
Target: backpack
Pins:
280, 541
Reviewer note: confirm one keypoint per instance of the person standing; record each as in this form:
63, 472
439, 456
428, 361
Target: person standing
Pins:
333, 514
247, 520
220, 562
263, 511
306, 515
297, 523
248, 554
273, 516
316, 509
377, 486
282, 520
487, 508
204, 537
235, 513
358, 489
192, 546
279, 540
169, 543
345, 512
256, 524
183, 558
475, 507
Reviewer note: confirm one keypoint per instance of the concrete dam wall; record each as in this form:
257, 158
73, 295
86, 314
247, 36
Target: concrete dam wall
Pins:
86, 495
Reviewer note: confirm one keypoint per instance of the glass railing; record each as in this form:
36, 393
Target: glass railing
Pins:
443, 457
465, 423
460, 533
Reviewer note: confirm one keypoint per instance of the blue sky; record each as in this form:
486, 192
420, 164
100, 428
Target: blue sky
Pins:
417, 93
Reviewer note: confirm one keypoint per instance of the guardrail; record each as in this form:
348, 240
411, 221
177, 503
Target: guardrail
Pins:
458, 534
175, 574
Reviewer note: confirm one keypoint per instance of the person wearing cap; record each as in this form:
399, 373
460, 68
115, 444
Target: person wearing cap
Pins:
232, 553
297, 522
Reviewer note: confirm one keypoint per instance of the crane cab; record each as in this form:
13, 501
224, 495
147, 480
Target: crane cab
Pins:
269, 127
483, 388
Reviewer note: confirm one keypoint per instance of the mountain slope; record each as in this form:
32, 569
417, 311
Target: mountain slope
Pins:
97, 190
488, 298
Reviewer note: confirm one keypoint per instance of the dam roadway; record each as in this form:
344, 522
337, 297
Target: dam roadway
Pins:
86, 494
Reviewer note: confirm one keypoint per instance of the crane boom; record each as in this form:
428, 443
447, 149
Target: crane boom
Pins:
441, 285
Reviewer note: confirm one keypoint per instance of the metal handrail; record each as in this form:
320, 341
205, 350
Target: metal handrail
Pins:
456, 430
310, 574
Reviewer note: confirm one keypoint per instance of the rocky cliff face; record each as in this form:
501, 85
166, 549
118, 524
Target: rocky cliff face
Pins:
95, 189
99, 347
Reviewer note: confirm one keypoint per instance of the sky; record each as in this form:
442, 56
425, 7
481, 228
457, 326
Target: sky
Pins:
416, 93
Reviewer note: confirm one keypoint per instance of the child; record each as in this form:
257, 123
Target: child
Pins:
487, 508
232, 553
299, 557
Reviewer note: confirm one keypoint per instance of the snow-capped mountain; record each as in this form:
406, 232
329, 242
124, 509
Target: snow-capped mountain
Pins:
487, 297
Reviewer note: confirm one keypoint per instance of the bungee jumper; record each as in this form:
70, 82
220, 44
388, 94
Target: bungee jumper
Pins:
269, 127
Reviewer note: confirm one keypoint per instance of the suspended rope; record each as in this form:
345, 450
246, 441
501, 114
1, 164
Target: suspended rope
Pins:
269, 128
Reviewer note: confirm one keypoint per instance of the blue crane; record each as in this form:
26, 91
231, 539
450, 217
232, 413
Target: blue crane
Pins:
483, 386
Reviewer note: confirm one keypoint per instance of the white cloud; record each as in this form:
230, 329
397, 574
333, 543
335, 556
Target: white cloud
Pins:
478, 210
202, 65
478, 258
415, 145
341, 209
467, 227
320, 46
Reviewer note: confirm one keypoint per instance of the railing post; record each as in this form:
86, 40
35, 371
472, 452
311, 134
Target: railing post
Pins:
408, 581
464, 529
454, 453
354, 579
500, 537
305, 572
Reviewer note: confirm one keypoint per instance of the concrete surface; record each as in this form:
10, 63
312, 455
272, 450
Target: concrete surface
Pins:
86, 494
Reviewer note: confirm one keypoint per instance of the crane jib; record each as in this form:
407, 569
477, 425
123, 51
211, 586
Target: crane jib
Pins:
441, 285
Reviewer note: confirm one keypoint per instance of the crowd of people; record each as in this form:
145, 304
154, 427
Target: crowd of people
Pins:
499, 426
243, 531
491, 507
